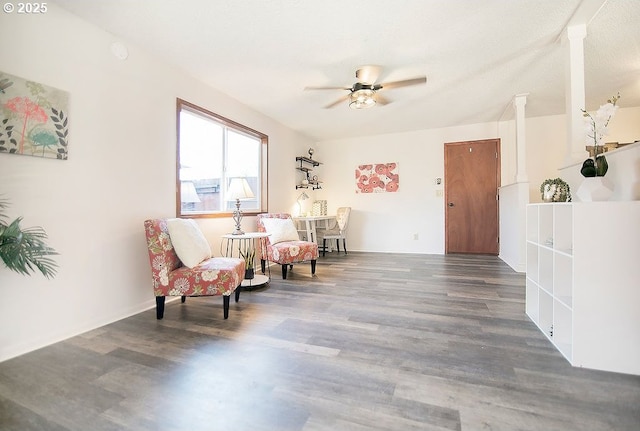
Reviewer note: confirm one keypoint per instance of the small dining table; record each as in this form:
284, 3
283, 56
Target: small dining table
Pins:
311, 223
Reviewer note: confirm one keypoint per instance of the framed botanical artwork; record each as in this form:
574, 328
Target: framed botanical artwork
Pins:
33, 118
377, 178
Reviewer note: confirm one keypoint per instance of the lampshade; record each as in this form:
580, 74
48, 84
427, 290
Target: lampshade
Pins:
188, 192
239, 189
361, 99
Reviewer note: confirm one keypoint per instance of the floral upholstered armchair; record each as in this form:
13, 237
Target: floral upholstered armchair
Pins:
283, 244
199, 274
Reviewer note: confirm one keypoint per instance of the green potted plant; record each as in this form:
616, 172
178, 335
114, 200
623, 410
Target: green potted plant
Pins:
555, 190
248, 255
24, 250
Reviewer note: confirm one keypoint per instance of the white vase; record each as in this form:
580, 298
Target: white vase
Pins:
594, 189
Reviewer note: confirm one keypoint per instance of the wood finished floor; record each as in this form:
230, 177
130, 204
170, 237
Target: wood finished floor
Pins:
372, 342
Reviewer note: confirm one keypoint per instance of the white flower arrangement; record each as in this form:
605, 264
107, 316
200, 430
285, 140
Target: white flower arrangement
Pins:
596, 129
596, 126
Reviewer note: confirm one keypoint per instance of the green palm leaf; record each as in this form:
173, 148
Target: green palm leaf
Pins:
25, 250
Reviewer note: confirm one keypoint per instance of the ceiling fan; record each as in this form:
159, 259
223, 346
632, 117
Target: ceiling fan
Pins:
364, 93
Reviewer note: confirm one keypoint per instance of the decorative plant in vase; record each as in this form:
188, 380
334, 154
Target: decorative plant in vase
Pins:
248, 255
595, 187
24, 250
555, 190
596, 130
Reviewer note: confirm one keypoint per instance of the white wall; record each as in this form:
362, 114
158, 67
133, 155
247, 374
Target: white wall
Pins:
546, 147
387, 222
623, 173
513, 203
624, 162
121, 170
546, 154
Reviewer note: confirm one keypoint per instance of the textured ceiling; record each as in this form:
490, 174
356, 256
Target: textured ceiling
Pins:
476, 54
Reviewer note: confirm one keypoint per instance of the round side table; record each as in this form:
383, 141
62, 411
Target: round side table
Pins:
232, 244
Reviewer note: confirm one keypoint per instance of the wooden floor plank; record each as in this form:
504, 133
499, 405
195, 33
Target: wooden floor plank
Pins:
372, 342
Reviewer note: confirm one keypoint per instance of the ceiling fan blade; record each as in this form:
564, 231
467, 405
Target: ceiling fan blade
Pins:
327, 88
403, 83
337, 102
368, 74
381, 100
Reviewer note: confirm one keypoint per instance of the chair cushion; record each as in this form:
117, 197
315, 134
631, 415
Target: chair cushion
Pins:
292, 252
215, 276
188, 241
281, 229
331, 233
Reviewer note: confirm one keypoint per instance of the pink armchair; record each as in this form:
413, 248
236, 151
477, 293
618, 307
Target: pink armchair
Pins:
286, 252
212, 277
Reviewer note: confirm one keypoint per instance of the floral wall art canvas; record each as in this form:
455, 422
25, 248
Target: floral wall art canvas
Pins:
377, 178
33, 118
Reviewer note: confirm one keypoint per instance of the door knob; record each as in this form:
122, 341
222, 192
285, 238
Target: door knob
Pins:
450, 204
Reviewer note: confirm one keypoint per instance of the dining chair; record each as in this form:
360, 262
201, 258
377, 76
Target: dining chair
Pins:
338, 231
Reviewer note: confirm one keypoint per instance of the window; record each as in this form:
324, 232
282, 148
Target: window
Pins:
213, 151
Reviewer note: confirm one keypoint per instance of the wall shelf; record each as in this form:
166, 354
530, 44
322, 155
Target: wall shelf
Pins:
308, 181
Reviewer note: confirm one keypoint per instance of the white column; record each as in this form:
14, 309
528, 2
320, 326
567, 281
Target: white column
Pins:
574, 91
519, 101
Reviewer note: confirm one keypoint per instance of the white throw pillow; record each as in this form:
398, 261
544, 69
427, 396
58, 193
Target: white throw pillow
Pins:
281, 229
190, 244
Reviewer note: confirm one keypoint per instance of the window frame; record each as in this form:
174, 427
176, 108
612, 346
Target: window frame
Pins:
238, 128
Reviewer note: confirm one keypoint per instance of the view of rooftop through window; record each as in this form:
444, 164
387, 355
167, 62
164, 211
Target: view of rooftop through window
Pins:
211, 153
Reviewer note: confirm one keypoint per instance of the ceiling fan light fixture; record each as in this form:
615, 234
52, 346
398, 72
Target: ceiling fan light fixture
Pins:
361, 99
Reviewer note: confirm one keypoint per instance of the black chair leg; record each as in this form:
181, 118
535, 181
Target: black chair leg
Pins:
184, 298
262, 265
238, 293
313, 267
344, 244
159, 307
225, 305
324, 247
284, 271
338, 245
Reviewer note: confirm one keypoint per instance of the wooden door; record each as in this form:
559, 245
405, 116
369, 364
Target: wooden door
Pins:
472, 178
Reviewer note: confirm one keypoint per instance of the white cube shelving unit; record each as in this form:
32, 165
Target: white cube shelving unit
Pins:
583, 281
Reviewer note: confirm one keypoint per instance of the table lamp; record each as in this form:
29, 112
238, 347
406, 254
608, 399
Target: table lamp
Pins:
303, 196
188, 193
238, 189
